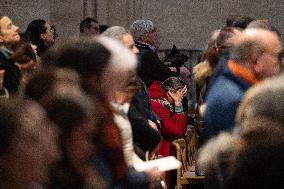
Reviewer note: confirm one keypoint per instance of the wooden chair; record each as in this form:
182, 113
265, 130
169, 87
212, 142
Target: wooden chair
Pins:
186, 152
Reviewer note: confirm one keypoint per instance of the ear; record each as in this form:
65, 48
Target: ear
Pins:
256, 63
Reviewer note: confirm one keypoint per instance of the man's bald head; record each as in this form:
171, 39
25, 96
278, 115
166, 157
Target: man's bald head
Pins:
259, 50
268, 39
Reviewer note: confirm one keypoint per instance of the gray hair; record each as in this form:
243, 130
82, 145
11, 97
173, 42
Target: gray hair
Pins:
140, 27
246, 49
264, 24
264, 100
115, 32
174, 83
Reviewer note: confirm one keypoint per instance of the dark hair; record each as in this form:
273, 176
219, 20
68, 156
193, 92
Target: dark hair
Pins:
84, 55
260, 159
103, 28
43, 82
225, 34
33, 33
212, 56
68, 113
9, 121
264, 24
230, 20
40, 84
174, 83
242, 22
23, 53
86, 23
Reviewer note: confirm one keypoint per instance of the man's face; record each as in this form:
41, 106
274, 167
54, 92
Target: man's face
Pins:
128, 41
268, 64
93, 30
8, 31
152, 38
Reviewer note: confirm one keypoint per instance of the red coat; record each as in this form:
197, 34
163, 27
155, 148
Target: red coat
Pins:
174, 124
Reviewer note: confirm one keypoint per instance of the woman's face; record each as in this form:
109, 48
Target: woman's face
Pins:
48, 36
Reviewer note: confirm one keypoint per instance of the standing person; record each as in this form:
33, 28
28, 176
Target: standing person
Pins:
89, 27
41, 34
255, 58
102, 64
140, 113
76, 119
8, 36
147, 40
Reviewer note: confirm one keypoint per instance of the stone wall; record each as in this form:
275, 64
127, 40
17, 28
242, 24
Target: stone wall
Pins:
186, 23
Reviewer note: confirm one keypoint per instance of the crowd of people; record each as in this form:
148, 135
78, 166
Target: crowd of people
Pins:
84, 112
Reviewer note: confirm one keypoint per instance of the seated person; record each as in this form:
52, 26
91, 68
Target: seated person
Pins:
167, 104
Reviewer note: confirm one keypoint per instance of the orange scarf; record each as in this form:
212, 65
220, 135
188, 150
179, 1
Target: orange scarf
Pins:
242, 72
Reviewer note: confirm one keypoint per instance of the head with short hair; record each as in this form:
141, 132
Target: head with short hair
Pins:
145, 31
115, 32
47, 81
259, 158
259, 49
102, 62
121, 34
263, 102
173, 84
141, 27
263, 24
89, 26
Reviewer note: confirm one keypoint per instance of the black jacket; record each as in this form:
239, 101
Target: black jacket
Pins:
151, 68
12, 76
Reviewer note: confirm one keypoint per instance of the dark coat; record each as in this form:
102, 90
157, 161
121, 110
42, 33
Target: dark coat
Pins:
174, 124
12, 76
151, 68
222, 102
140, 111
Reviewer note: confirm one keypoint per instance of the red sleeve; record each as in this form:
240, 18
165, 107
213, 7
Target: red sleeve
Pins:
174, 126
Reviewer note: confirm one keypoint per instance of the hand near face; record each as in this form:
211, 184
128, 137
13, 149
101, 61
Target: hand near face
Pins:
178, 95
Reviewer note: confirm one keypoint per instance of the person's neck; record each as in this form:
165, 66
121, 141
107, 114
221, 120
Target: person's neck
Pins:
243, 70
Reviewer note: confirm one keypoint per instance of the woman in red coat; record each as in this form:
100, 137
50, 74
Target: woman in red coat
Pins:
166, 100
